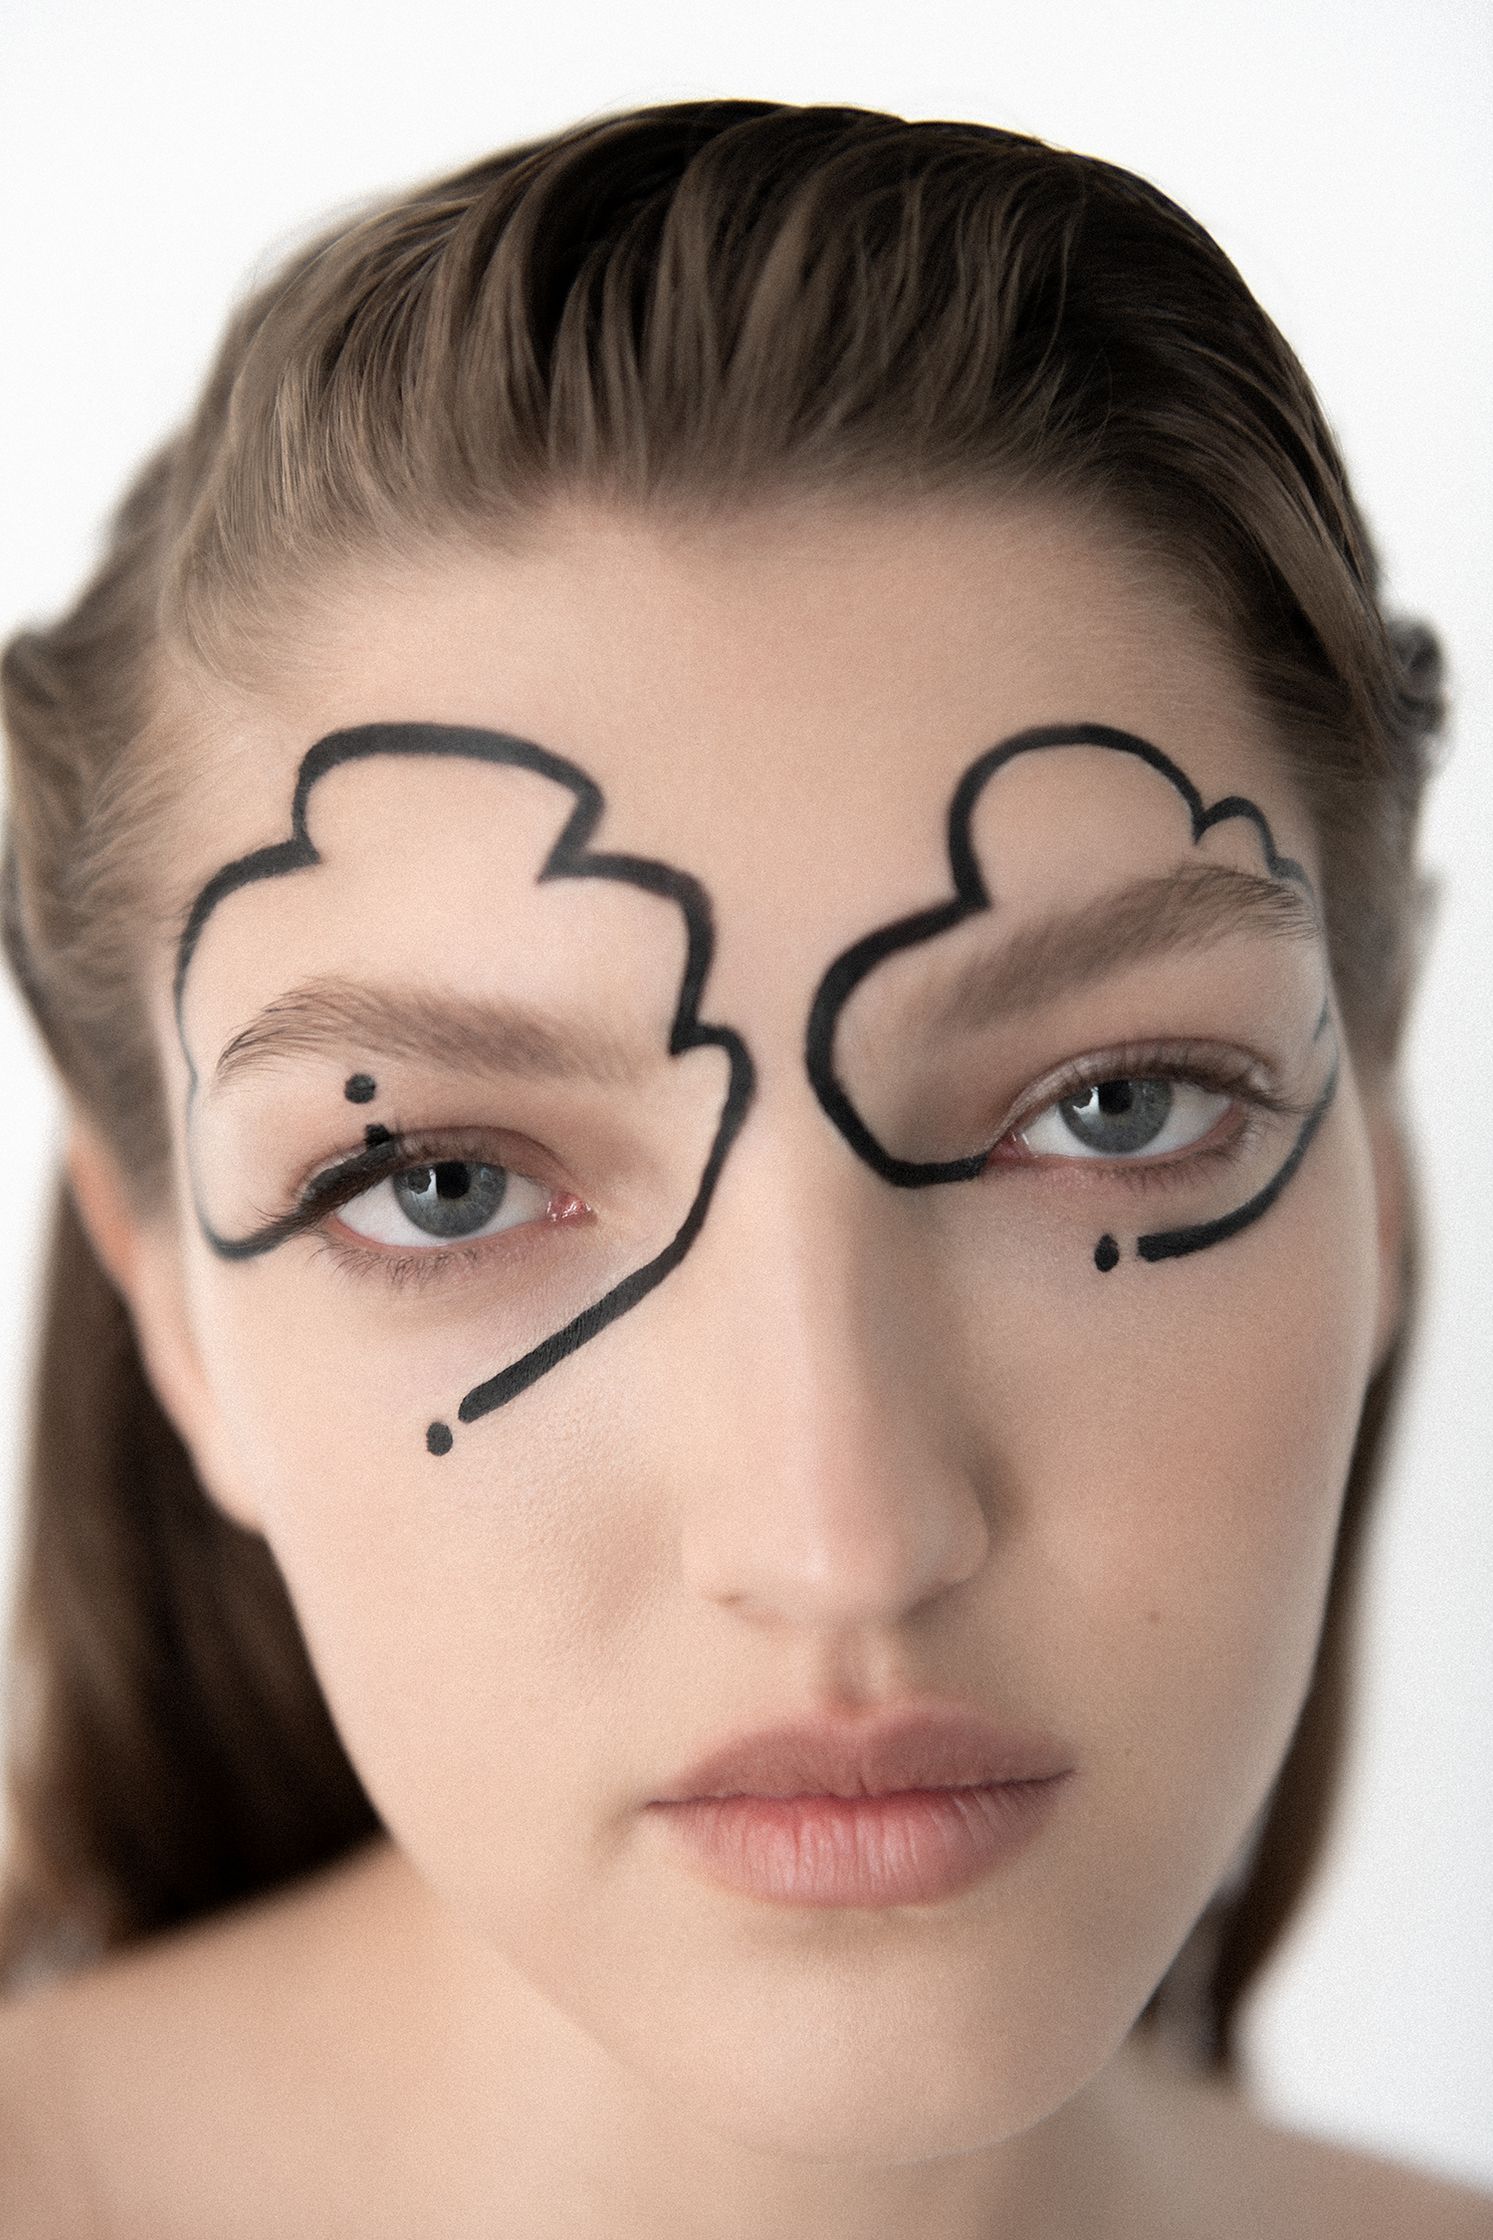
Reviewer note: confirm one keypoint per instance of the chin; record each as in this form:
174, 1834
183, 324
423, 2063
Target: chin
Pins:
853, 2062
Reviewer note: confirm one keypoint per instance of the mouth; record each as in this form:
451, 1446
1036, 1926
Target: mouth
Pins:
914, 1745
901, 1809
904, 1847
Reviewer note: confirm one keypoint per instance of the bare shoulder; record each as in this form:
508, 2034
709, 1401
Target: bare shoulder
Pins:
1343, 2189
135, 2096
43, 2188
1251, 2173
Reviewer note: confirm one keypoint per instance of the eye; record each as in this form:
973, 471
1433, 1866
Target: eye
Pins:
444, 1201
1116, 1119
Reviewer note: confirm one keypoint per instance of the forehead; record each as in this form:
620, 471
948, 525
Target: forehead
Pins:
780, 701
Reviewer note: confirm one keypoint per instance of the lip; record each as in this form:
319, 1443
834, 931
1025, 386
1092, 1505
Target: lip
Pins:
899, 1809
915, 1746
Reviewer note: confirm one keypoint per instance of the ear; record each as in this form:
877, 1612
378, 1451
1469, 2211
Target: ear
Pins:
144, 1263
1390, 1162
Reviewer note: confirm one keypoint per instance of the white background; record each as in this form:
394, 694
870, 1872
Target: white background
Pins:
153, 157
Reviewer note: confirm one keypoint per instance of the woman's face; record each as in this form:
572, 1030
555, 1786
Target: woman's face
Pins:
982, 1319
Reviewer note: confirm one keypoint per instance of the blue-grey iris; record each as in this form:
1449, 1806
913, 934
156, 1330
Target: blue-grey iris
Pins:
454, 1198
1118, 1116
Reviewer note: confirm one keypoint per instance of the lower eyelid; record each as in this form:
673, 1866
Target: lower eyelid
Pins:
401, 1268
407, 1266
1242, 1123
1143, 1173
438, 1245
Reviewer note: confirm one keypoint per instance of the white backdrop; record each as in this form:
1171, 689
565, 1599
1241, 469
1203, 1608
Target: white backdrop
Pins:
152, 157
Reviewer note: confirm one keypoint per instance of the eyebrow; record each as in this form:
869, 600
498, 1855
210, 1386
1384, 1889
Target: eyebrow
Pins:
1188, 909
458, 1034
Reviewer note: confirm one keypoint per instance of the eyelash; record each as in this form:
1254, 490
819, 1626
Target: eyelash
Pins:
348, 1178
1198, 1066
1195, 1065
416, 1270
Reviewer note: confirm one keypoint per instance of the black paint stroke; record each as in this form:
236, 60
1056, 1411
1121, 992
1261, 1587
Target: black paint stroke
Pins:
1170, 1244
971, 896
569, 858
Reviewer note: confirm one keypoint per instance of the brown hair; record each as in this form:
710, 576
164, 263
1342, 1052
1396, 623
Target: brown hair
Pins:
697, 304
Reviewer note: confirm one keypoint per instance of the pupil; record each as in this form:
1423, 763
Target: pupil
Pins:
1118, 1116
453, 1198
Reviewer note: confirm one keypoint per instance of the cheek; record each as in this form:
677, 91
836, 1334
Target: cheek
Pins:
460, 1610
1179, 1539
1209, 1546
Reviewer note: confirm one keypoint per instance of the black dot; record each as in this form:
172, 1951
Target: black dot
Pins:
360, 1088
438, 1438
374, 1135
1106, 1254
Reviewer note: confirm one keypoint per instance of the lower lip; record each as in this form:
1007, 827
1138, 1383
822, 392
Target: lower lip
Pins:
909, 1847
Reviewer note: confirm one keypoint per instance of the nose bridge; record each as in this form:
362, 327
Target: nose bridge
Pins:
831, 1492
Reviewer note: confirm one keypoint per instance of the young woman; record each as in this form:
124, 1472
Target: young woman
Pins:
722, 870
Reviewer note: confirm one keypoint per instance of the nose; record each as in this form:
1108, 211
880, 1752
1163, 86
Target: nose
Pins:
821, 1483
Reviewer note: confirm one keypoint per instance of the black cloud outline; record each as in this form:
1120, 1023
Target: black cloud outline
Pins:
569, 858
853, 964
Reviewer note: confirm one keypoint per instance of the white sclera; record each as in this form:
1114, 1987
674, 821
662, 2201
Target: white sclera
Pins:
1194, 1112
381, 1215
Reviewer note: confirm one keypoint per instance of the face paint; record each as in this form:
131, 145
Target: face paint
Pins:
971, 895
384, 1154
1169, 1244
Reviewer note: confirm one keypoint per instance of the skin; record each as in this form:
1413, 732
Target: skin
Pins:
821, 1466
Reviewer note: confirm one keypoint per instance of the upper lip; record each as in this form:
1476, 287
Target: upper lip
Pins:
916, 1746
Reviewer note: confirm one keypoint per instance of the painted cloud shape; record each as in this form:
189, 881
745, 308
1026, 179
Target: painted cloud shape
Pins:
1184, 812
229, 916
